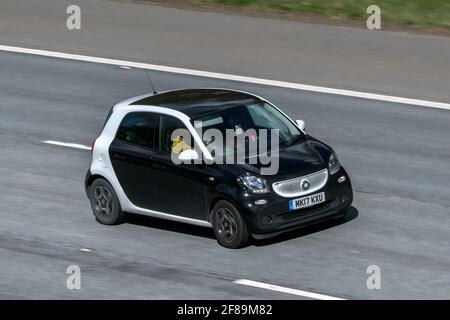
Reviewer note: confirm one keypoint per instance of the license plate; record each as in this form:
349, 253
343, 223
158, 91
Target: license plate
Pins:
308, 201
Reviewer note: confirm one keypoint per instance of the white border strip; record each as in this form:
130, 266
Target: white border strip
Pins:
224, 76
296, 292
68, 145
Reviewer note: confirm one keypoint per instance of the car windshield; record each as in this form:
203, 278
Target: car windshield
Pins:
246, 121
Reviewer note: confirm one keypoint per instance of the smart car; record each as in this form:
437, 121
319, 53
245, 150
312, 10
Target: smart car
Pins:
141, 165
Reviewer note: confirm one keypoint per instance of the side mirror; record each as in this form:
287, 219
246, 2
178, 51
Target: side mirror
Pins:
188, 155
301, 124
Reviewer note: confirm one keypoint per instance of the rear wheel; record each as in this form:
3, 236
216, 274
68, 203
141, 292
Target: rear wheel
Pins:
105, 203
228, 225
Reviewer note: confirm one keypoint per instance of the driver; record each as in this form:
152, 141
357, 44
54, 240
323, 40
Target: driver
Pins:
178, 145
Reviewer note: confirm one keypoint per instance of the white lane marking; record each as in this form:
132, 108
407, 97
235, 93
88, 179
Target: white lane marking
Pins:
296, 292
225, 76
68, 145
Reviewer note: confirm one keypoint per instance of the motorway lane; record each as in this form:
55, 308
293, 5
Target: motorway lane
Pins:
332, 56
397, 156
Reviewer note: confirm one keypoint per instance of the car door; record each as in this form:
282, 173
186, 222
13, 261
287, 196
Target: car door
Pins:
131, 156
180, 188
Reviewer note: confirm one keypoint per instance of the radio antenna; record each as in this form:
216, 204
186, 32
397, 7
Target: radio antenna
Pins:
150, 81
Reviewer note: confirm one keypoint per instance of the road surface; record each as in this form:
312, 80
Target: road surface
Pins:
397, 156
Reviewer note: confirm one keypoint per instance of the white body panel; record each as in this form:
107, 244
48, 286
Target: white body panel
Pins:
101, 162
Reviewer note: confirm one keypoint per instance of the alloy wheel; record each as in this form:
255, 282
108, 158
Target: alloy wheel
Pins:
103, 201
226, 224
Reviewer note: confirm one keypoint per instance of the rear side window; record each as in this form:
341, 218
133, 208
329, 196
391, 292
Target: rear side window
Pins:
139, 128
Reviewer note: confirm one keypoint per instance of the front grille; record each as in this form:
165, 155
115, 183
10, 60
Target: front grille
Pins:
295, 187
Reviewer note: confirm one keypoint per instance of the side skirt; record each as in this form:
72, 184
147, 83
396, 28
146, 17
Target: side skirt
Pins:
167, 216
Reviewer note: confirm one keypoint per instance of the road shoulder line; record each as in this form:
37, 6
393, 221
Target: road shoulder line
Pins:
225, 76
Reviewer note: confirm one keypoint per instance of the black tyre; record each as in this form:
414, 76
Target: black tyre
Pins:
105, 203
228, 225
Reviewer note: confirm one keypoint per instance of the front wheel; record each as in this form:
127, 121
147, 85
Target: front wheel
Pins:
105, 203
229, 227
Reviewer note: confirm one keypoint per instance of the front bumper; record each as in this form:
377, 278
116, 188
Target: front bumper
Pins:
275, 217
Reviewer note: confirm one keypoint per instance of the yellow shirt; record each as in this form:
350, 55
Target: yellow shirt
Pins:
178, 145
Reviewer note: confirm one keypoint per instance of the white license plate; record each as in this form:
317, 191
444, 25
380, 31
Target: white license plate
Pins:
308, 201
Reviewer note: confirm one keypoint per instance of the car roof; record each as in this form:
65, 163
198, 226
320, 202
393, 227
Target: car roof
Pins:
198, 102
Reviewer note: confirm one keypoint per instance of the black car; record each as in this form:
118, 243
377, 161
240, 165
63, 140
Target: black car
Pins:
163, 155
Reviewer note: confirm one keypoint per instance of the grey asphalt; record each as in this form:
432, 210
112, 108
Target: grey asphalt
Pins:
408, 65
397, 156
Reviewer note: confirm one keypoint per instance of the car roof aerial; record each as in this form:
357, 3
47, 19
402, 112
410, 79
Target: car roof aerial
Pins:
196, 102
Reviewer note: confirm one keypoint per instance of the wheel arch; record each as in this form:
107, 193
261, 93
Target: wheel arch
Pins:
213, 201
90, 180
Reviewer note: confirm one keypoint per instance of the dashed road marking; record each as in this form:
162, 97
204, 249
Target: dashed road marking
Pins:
296, 292
68, 145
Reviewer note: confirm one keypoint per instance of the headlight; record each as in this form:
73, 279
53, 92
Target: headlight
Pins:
253, 183
333, 164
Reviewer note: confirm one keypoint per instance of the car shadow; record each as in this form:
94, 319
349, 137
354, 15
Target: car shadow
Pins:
351, 214
203, 232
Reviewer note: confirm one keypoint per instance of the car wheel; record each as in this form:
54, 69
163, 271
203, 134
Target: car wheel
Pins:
104, 202
228, 225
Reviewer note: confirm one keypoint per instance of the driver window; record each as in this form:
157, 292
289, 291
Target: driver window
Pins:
175, 144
